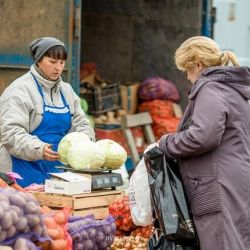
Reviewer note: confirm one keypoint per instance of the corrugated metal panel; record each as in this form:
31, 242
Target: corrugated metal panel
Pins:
21, 21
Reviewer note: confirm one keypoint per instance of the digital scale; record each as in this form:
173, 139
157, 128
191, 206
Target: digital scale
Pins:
101, 178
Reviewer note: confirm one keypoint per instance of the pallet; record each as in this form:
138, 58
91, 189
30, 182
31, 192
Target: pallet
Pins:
95, 203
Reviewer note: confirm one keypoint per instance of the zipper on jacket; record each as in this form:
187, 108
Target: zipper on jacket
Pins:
51, 95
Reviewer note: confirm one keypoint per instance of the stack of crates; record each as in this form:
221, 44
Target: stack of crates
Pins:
101, 99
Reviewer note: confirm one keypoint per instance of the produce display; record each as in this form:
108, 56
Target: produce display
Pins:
121, 211
20, 214
110, 117
144, 232
77, 151
128, 236
20, 244
130, 243
56, 223
90, 234
24, 225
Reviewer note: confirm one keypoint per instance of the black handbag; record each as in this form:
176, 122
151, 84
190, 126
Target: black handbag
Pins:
172, 217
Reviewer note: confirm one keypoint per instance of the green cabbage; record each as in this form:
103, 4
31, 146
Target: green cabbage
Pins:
115, 154
66, 143
86, 155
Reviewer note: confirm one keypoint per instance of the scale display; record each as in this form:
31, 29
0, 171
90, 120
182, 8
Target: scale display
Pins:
100, 178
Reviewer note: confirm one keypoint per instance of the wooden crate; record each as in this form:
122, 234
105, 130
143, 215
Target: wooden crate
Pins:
95, 203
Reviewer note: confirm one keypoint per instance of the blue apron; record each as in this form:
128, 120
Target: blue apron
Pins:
55, 124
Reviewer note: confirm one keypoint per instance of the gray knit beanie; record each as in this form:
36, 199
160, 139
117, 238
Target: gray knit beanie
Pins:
41, 45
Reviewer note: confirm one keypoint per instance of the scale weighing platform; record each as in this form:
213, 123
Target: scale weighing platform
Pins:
101, 178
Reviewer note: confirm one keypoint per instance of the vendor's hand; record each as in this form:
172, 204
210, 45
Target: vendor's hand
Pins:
49, 154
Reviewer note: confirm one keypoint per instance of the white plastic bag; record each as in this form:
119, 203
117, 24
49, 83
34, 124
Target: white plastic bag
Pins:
139, 196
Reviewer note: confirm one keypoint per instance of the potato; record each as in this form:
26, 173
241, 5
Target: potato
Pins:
4, 197
22, 224
33, 220
1, 213
23, 244
15, 217
17, 200
11, 231
7, 220
32, 208
3, 235
5, 248
38, 229
5, 205
18, 210
44, 232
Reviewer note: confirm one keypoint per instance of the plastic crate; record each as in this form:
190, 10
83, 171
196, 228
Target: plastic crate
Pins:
101, 99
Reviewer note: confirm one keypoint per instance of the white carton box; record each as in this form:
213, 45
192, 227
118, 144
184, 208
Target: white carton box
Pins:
68, 183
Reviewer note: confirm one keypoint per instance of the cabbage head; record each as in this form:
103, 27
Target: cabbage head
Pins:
115, 154
86, 155
66, 143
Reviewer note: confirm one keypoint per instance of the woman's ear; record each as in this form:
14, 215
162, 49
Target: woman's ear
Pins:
200, 66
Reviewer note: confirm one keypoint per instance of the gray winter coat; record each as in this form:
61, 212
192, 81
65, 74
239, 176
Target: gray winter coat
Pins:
213, 147
21, 111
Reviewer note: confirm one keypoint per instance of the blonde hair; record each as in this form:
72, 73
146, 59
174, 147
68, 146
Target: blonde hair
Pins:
204, 50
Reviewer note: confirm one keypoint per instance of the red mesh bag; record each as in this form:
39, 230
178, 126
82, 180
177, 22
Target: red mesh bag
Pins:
160, 108
56, 223
164, 126
121, 211
162, 113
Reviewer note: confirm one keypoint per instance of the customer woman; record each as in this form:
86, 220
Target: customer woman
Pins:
213, 144
37, 110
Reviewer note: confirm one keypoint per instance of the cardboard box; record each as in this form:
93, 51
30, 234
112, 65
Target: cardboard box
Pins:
68, 183
129, 97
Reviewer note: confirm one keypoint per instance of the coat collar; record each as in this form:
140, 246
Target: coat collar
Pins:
47, 84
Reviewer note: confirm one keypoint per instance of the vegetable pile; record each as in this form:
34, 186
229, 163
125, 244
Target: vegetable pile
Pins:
121, 211
144, 232
130, 243
20, 214
90, 234
77, 151
56, 222
20, 244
